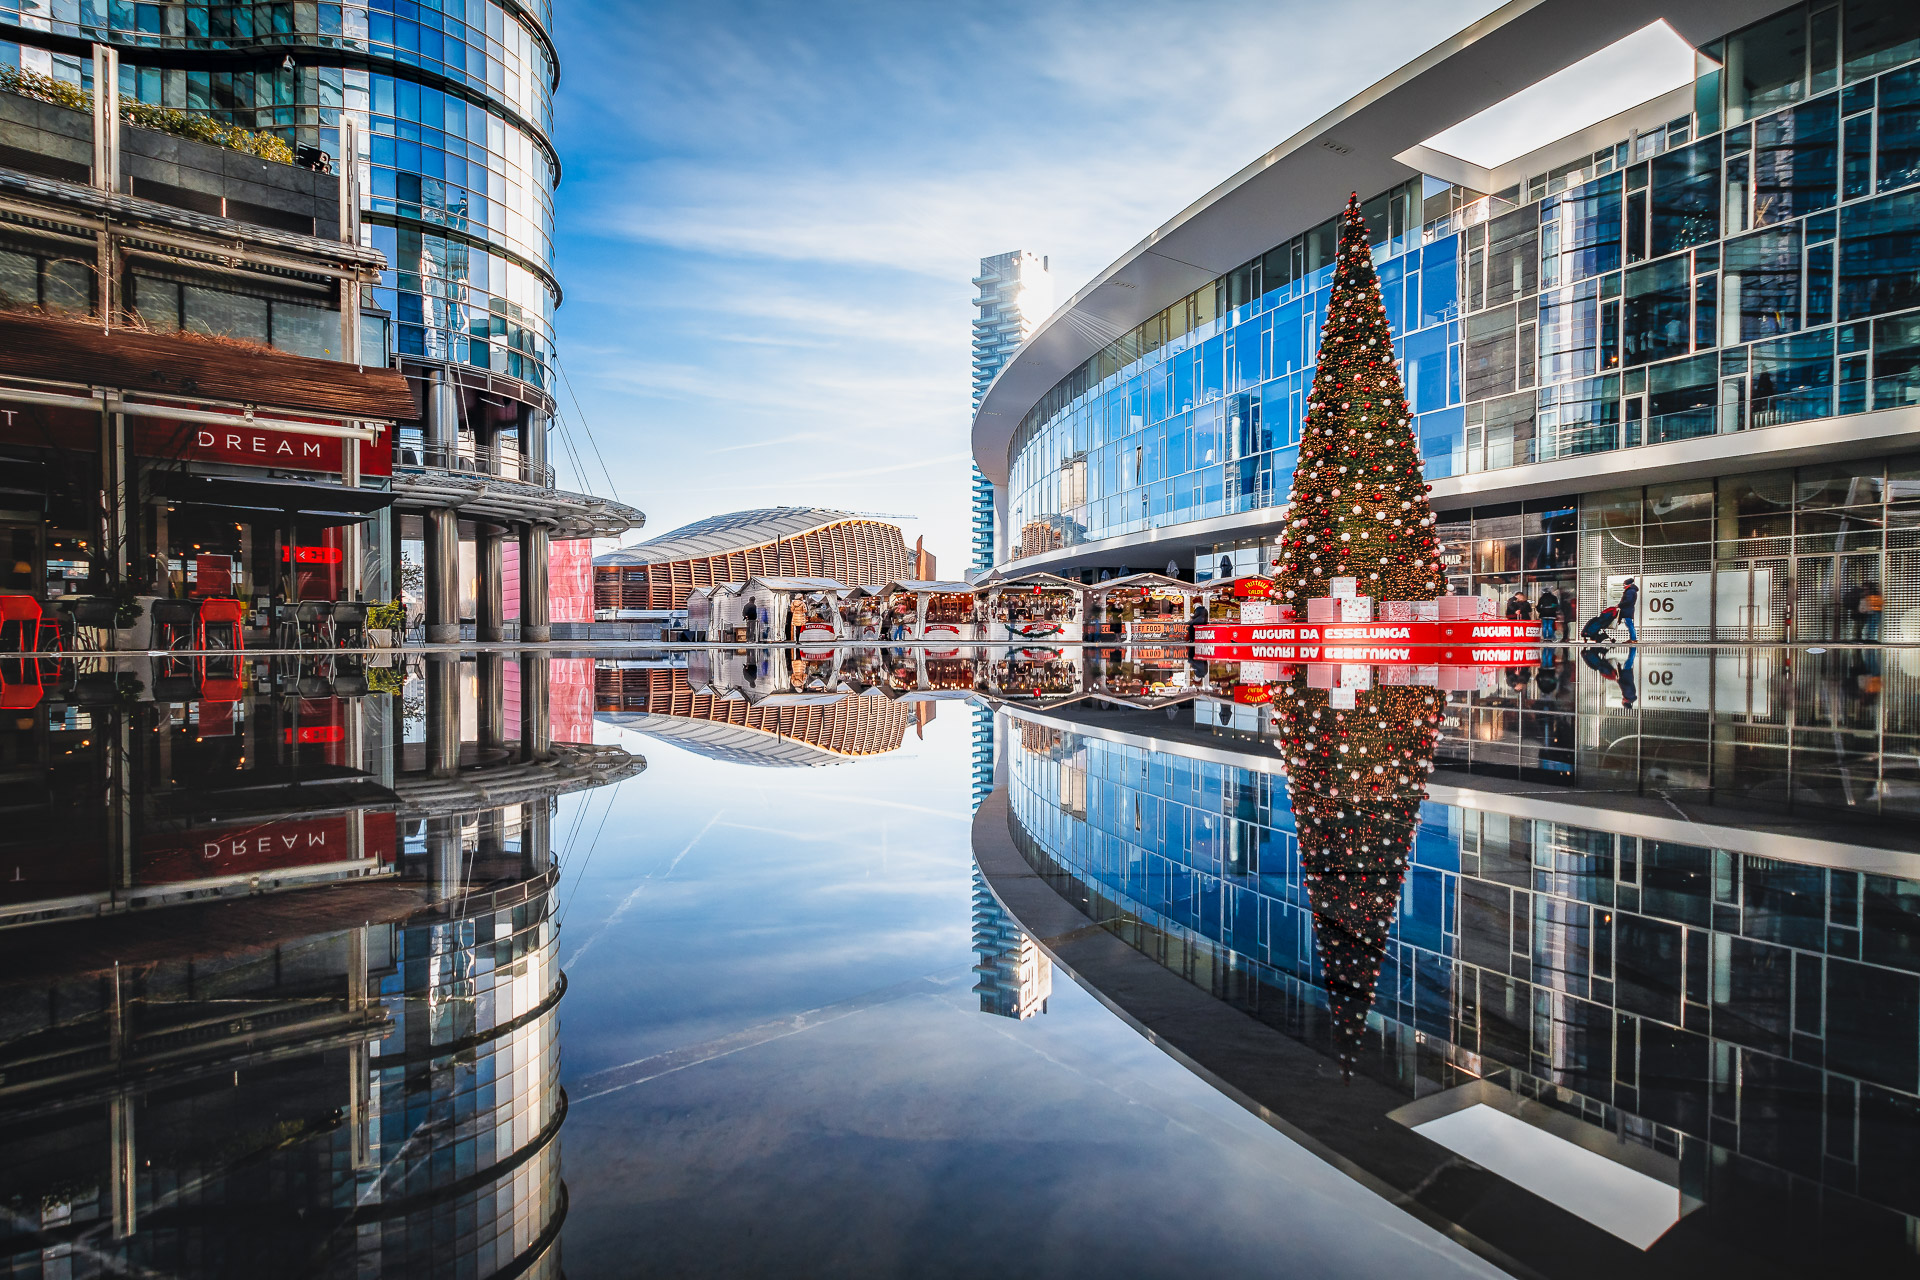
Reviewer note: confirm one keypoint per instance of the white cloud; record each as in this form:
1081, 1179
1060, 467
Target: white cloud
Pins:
772, 212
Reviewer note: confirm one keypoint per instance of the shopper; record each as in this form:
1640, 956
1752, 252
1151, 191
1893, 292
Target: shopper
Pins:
1518, 609
1868, 612
1629, 599
1548, 607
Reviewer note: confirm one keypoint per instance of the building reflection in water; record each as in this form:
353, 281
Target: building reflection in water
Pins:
1671, 935
280, 992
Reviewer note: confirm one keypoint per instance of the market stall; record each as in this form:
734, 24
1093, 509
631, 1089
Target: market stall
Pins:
1249, 600
1143, 608
1035, 674
1036, 606
714, 615
1141, 676
863, 613
803, 611
931, 611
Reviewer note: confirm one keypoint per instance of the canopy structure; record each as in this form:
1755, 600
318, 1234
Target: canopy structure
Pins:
1135, 581
189, 367
918, 585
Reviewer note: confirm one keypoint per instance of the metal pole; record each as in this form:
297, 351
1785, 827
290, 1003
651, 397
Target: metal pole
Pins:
535, 549
442, 530
536, 721
491, 607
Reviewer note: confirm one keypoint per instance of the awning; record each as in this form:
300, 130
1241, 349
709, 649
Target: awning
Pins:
58, 349
296, 497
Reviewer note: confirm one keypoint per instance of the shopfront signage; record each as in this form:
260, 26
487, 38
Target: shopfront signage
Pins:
254, 447
184, 441
1668, 600
264, 846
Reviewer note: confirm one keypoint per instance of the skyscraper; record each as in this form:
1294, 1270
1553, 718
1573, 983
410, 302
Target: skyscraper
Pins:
1015, 295
454, 107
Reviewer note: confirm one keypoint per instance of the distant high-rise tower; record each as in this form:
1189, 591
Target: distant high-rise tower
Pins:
1016, 293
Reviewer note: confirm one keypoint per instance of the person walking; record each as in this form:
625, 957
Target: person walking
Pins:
1868, 610
1548, 607
751, 616
1629, 599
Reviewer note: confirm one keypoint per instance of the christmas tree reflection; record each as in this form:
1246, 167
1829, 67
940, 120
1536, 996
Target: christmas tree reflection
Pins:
1357, 764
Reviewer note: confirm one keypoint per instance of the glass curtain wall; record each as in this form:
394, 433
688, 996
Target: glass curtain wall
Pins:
453, 102
1752, 264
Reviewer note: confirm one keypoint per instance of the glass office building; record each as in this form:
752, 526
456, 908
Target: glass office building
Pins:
453, 102
1698, 341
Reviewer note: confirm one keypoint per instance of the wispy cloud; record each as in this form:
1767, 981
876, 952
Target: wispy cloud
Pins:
767, 237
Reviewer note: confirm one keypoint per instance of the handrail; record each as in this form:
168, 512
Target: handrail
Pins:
410, 453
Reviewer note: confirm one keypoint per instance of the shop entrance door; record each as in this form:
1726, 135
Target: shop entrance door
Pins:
1825, 584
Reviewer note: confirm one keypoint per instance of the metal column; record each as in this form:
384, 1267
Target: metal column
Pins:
490, 694
490, 623
535, 548
536, 720
441, 526
445, 869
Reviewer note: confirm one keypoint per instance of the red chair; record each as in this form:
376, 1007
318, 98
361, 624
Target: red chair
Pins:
18, 695
224, 613
21, 610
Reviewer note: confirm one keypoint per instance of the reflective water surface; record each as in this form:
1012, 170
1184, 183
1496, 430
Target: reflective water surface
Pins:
890, 961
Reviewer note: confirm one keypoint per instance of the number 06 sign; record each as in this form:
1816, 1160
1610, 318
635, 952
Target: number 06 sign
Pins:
1669, 599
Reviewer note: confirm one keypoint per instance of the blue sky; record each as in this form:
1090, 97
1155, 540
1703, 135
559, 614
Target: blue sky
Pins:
770, 213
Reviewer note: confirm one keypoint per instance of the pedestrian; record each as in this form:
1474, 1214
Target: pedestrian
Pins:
1868, 610
751, 616
1629, 597
1518, 610
1548, 607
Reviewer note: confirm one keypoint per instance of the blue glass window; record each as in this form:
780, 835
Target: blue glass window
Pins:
1792, 379
1442, 435
1857, 179
1440, 281
1795, 162
1680, 398
1393, 293
1654, 317
1900, 129
1684, 190
1880, 255
1426, 375
1760, 284
1896, 361
1580, 233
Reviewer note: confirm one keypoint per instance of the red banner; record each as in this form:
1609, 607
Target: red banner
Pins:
163, 438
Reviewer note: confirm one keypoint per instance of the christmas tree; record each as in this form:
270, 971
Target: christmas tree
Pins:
1356, 778
1359, 503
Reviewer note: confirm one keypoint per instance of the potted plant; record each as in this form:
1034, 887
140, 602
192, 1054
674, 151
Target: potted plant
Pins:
386, 622
131, 629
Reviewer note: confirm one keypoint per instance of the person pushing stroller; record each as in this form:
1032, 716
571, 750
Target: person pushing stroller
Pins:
1600, 626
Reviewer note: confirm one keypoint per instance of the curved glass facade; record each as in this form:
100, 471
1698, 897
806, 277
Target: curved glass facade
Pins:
1694, 1001
1695, 279
453, 103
